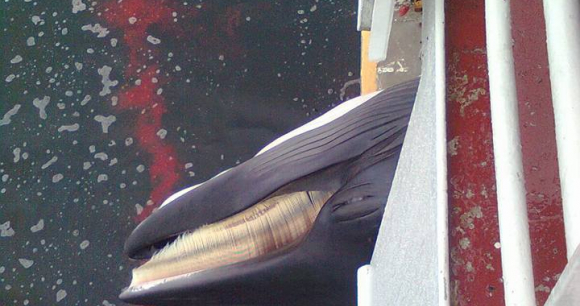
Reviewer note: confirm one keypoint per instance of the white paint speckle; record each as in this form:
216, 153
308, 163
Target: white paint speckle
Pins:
69, 128
15, 60
26, 263
38, 227
49, 163
16, 153
132, 20
8, 115
41, 105
97, 29
87, 165
6, 230
105, 122
140, 168
84, 244
162, 133
30, 41
105, 72
78, 6
86, 100
153, 40
138, 208
102, 156
36, 20
61, 294
57, 177
102, 178
10, 78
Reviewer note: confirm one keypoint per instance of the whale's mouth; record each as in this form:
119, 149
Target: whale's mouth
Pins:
273, 224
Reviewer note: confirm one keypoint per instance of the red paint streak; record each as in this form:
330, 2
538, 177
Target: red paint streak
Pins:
475, 262
538, 145
143, 99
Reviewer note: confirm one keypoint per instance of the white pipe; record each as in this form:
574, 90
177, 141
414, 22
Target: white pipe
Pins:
441, 155
512, 211
364, 277
563, 33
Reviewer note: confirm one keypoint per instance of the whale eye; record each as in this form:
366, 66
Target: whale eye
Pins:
272, 224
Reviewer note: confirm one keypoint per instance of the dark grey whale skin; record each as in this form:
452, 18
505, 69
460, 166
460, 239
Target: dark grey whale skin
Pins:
356, 154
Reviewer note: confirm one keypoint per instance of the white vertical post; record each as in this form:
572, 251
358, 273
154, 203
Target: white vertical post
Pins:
441, 154
563, 33
512, 211
364, 277
408, 263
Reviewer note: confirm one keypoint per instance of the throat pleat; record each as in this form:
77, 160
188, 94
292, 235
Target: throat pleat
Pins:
275, 223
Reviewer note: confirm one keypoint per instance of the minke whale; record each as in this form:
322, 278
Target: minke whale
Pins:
290, 226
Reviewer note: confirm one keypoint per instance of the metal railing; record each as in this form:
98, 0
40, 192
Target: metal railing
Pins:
563, 42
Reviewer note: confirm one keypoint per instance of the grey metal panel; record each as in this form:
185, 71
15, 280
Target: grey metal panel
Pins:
405, 262
381, 29
365, 15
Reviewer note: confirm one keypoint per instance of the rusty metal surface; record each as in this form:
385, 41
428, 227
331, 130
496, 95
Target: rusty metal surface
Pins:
474, 239
538, 145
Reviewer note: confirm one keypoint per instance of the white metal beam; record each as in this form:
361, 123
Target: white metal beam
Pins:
381, 25
563, 33
441, 152
410, 262
511, 195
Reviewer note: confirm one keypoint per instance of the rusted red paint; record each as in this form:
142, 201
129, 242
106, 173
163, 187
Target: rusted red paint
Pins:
538, 145
475, 263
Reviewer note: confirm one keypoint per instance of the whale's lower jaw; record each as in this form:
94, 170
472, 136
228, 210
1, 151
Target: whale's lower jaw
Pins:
273, 224
302, 274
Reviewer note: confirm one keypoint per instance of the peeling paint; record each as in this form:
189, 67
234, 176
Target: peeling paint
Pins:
464, 243
453, 145
468, 217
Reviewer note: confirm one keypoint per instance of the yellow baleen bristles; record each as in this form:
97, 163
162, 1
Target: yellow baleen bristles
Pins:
269, 225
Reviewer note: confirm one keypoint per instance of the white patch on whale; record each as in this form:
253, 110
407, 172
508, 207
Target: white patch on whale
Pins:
327, 117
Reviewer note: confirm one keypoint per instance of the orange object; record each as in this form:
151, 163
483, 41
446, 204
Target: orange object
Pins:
418, 5
368, 70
